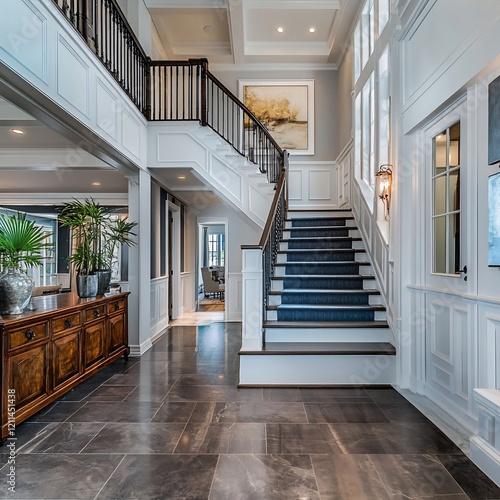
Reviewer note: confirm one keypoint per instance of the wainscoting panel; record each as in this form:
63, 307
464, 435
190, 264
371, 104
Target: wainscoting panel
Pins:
73, 86
490, 351
313, 185
23, 36
448, 363
159, 305
187, 293
131, 134
106, 110
233, 299
171, 149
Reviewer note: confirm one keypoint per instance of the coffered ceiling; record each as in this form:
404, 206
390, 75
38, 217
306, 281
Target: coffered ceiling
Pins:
260, 32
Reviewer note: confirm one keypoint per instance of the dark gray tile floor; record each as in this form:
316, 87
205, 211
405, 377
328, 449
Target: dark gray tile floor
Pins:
173, 425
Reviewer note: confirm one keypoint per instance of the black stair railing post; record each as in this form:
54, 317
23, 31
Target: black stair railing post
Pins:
204, 83
149, 88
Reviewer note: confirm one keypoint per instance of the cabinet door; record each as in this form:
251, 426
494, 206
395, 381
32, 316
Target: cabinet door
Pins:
116, 332
66, 358
94, 348
28, 375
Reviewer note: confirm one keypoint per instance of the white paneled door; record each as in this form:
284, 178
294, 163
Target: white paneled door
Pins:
447, 311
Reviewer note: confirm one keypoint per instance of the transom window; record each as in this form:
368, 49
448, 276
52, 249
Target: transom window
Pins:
446, 200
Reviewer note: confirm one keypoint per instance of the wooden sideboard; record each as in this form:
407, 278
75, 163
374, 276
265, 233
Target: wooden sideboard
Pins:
48, 351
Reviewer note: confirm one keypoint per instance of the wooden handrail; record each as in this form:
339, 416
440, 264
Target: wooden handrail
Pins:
272, 211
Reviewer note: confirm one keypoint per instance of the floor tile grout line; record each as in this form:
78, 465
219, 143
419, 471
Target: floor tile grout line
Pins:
110, 476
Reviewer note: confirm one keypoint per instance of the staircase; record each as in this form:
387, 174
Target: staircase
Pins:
325, 321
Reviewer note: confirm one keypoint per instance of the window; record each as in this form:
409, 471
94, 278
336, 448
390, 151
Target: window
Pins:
384, 7
446, 200
216, 245
368, 133
384, 108
373, 19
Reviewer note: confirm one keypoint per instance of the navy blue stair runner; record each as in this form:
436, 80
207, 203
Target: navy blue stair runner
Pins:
322, 280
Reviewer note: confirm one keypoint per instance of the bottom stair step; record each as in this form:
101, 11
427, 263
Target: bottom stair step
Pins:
345, 348
318, 364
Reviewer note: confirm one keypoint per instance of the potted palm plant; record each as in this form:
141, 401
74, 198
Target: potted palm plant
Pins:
95, 235
84, 219
21, 246
115, 232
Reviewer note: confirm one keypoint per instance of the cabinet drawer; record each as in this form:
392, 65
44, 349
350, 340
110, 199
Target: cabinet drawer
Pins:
116, 305
66, 322
27, 334
93, 313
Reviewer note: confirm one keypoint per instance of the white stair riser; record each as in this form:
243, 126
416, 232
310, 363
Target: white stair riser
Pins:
317, 369
328, 335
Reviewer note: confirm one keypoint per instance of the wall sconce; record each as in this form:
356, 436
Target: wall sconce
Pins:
385, 181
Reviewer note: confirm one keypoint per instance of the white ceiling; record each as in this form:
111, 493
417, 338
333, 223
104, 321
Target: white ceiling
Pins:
245, 31
227, 32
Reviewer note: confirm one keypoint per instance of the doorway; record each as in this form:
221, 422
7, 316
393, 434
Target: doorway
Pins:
211, 266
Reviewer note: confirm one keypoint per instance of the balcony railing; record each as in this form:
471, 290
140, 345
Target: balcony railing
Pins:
171, 90
107, 32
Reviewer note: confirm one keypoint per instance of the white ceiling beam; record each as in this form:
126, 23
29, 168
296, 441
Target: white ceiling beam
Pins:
185, 4
49, 159
237, 31
293, 4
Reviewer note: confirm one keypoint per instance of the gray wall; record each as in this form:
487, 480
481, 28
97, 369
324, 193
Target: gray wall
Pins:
326, 113
344, 99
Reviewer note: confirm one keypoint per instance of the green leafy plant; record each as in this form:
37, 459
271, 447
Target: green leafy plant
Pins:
95, 234
21, 242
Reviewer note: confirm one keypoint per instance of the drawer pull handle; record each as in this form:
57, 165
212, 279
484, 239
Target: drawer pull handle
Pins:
96, 313
68, 323
117, 306
30, 334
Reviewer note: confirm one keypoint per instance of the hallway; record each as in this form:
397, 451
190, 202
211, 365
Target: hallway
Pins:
173, 425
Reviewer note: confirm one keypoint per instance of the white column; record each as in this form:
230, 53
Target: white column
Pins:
140, 264
252, 300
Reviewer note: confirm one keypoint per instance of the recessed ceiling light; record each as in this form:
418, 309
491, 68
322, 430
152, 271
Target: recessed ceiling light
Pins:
280, 29
312, 29
18, 131
96, 183
181, 177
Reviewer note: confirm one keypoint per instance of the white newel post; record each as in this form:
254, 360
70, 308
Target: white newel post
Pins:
252, 313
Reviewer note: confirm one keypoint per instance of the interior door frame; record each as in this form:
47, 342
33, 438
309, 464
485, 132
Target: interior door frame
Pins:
174, 243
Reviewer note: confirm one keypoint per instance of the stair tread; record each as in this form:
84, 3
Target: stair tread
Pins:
323, 263
308, 228
341, 307
344, 348
316, 276
346, 217
335, 291
310, 250
325, 324
323, 238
